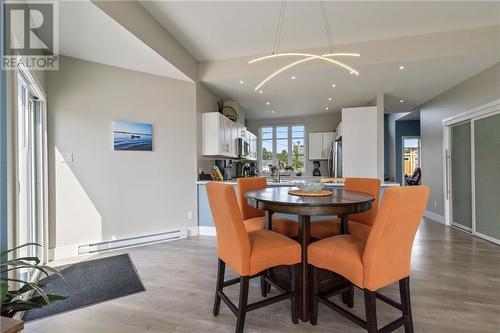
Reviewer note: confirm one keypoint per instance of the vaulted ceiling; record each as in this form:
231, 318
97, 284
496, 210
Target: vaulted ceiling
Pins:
440, 44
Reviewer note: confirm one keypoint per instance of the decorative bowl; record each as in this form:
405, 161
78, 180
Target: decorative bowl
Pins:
310, 187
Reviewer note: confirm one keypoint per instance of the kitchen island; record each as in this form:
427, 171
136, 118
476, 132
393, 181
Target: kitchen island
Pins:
206, 223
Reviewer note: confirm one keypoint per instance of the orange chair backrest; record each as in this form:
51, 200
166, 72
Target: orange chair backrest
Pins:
387, 254
233, 244
366, 185
245, 185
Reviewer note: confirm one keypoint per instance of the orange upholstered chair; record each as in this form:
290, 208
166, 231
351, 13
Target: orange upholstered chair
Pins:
254, 218
380, 260
359, 224
248, 254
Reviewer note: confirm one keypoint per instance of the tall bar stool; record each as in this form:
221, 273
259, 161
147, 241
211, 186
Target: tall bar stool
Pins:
248, 254
384, 258
359, 224
253, 218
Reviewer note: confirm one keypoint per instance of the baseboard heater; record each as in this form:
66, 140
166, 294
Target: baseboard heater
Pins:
132, 241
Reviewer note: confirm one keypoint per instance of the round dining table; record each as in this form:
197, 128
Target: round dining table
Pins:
278, 200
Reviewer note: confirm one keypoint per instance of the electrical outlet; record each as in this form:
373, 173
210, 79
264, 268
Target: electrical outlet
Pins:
190, 216
67, 157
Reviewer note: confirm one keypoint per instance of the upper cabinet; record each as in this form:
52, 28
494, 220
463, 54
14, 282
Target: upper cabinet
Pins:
320, 145
219, 135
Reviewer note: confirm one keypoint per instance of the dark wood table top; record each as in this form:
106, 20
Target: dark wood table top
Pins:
341, 201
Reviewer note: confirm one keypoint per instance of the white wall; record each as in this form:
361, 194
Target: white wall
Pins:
105, 194
361, 142
475, 91
313, 123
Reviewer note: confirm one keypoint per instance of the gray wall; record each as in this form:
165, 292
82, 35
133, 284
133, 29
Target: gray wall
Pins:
206, 101
475, 91
105, 194
315, 123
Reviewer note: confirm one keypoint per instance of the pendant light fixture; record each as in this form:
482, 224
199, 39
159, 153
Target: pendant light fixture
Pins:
305, 57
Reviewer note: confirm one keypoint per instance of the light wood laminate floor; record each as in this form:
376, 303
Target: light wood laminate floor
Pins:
455, 288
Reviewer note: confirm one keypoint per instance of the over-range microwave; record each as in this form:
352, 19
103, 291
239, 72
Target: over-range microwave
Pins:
243, 148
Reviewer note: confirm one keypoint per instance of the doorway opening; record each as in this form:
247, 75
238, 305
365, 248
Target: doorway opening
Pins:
410, 158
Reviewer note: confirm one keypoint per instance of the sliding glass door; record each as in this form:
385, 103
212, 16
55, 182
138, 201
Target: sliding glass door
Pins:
30, 226
472, 171
461, 187
487, 176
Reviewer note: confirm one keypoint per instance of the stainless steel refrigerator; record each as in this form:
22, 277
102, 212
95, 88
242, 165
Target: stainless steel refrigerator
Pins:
335, 159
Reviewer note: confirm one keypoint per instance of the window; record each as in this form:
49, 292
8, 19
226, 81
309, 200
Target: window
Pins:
284, 145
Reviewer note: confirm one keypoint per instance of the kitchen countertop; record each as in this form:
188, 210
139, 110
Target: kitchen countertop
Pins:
291, 182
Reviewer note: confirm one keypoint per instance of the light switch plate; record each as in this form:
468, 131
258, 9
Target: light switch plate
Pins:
67, 157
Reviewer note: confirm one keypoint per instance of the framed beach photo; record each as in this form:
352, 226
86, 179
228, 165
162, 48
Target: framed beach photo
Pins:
132, 136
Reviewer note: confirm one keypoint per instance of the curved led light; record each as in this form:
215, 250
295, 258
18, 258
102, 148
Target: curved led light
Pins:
303, 55
308, 58
283, 69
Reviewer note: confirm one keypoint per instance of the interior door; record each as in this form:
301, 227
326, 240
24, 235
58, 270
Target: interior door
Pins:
461, 186
487, 176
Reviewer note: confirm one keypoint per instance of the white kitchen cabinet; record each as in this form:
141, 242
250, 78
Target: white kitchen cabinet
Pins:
252, 140
219, 135
320, 144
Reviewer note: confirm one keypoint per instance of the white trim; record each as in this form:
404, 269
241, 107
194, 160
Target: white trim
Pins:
193, 231
76, 250
477, 112
63, 252
207, 231
488, 238
461, 227
434, 216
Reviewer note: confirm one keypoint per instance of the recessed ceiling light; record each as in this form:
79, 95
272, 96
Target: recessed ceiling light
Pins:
326, 108
333, 85
351, 72
401, 68
329, 99
260, 91
272, 111
267, 103
293, 77
401, 101
241, 82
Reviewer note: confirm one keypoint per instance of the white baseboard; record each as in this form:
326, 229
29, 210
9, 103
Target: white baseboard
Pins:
434, 216
193, 231
206, 231
62, 252
75, 250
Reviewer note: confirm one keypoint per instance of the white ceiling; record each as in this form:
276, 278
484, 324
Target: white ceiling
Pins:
86, 32
212, 30
440, 44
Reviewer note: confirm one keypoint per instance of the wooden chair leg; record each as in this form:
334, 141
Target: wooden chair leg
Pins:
371, 311
348, 297
295, 290
242, 307
314, 292
221, 269
263, 286
404, 290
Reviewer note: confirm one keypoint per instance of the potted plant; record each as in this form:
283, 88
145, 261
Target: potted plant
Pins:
29, 295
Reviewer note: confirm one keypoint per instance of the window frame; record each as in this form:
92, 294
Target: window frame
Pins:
274, 145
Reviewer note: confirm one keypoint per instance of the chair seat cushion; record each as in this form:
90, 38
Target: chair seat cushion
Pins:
270, 249
341, 254
281, 225
256, 223
331, 227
